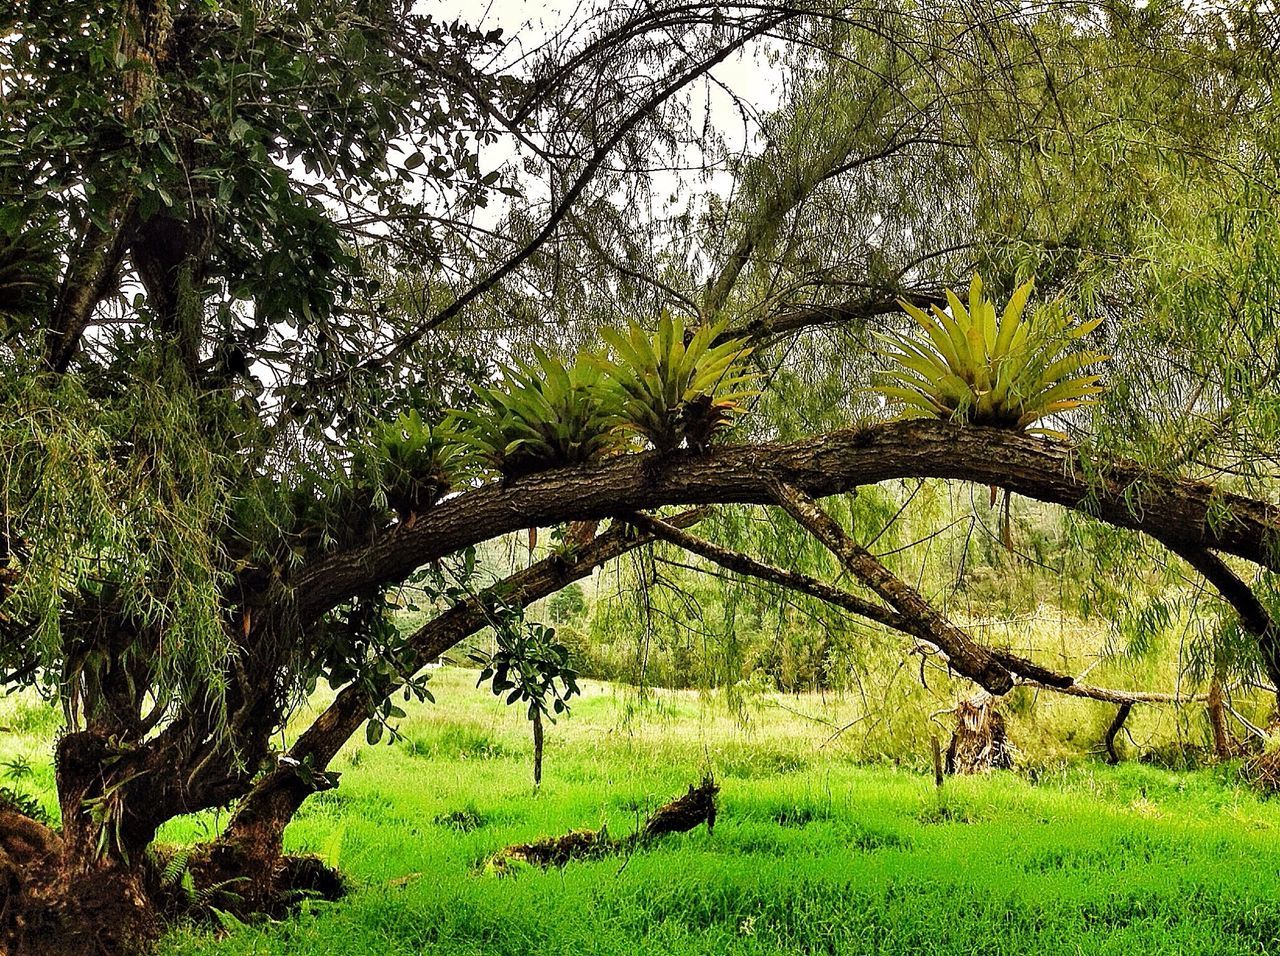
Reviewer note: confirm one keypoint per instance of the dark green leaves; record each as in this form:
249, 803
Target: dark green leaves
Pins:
413, 462
528, 665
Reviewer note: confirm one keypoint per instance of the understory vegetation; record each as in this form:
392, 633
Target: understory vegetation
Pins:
813, 852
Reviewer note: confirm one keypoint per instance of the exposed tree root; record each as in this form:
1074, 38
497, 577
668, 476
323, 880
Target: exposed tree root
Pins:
680, 815
684, 813
53, 903
246, 884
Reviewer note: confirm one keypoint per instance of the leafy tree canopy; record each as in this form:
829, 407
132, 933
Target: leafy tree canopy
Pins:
303, 300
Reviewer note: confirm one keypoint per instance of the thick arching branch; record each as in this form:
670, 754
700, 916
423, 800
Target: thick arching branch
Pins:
1177, 512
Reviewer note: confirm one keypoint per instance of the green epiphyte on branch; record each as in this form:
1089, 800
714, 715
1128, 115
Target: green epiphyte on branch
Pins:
1009, 371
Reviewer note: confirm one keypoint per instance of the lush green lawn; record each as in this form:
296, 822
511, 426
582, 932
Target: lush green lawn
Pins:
811, 853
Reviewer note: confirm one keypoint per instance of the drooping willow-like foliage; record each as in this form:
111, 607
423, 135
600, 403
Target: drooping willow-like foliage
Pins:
83, 524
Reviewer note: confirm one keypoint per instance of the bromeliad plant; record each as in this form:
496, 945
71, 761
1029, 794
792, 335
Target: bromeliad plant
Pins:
544, 414
677, 386
415, 463
1010, 372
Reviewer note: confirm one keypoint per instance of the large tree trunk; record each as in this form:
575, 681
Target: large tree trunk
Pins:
1180, 514
251, 847
86, 891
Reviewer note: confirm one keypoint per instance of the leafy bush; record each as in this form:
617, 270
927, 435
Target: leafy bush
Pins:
676, 386
546, 414
567, 604
1009, 372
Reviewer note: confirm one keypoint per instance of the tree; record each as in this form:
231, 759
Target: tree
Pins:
255, 268
567, 605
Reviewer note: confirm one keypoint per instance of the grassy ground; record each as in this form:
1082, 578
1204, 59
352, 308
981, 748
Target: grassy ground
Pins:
812, 853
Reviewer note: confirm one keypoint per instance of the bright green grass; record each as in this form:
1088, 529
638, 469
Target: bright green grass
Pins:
812, 854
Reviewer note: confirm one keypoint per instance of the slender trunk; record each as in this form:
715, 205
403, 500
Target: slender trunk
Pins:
537, 749
1109, 741
1224, 745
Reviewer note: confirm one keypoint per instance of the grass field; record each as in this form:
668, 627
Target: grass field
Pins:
812, 853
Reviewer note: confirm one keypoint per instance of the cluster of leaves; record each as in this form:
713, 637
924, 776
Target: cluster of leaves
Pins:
529, 665
28, 269
1009, 372
18, 769
671, 388
372, 653
678, 386
544, 414
415, 463
109, 503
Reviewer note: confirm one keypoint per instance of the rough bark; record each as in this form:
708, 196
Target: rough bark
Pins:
62, 896
978, 743
253, 839
1174, 511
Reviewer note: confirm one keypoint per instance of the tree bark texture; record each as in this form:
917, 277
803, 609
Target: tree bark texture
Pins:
1178, 512
978, 743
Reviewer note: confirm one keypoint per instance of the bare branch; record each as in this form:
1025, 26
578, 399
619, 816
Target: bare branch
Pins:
965, 655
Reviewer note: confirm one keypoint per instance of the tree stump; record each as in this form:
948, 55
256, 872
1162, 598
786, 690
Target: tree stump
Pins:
1225, 745
978, 743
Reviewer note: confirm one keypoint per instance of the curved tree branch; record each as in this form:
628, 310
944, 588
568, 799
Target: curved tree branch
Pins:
963, 653
1254, 617
564, 206
1177, 512
276, 796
